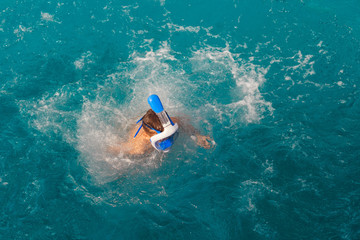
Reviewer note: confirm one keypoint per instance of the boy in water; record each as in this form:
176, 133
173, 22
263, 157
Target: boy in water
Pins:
151, 122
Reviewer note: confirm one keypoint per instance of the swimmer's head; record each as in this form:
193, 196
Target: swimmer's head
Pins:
158, 125
152, 120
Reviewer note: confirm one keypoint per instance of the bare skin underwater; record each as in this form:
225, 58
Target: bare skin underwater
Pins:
141, 144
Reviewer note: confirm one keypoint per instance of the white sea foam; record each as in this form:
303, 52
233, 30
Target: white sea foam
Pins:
21, 30
179, 28
48, 115
250, 78
191, 29
304, 64
300, 67
340, 84
85, 59
48, 17
95, 134
247, 194
90, 130
247, 76
102, 121
154, 74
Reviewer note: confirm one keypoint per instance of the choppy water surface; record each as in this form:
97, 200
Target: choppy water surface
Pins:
274, 83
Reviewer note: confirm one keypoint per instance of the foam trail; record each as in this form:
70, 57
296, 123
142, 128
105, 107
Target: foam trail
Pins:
247, 76
50, 115
99, 127
102, 121
154, 74
103, 124
249, 79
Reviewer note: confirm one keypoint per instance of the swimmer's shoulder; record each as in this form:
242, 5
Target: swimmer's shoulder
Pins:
175, 119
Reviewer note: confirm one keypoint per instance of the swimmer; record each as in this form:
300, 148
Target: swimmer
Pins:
159, 131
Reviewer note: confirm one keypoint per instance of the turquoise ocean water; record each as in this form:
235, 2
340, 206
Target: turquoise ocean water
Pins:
275, 83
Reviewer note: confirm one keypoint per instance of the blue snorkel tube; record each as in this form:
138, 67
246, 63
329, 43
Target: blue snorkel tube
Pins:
164, 140
157, 107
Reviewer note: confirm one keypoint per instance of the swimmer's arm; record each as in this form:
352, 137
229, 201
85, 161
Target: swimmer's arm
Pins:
201, 140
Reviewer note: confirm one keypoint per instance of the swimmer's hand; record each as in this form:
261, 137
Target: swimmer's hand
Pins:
203, 141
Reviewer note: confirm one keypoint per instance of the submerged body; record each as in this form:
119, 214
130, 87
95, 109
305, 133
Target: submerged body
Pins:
158, 130
141, 144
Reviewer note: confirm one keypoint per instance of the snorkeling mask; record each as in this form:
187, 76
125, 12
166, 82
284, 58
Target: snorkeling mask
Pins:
162, 141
